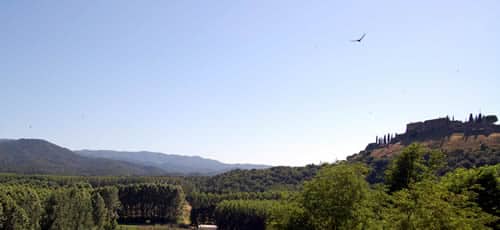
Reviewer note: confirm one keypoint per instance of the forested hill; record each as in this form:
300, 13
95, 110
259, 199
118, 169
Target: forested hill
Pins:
32, 156
271, 179
176, 164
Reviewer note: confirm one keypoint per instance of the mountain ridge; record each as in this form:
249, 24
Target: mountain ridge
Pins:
36, 156
170, 162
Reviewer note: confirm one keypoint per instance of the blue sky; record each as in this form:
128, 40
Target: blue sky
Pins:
274, 82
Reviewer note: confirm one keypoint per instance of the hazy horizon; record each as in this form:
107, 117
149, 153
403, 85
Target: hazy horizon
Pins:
260, 82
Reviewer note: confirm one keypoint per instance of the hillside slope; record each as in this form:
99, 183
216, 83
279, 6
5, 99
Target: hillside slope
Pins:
33, 156
466, 144
170, 163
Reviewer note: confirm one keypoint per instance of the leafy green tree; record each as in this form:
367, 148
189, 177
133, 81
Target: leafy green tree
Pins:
26, 198
203, 204
481, 185
430, 205
112, 203
13, 216
337, 198
288, 215
69, 208
99, 211
243, 214
413, 164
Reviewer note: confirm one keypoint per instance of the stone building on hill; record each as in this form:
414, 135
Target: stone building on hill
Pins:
439, 128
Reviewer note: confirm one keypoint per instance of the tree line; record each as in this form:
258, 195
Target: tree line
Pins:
203, 205
150, 203
74, 207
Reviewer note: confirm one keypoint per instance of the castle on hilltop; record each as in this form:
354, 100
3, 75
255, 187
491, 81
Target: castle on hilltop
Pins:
439, 128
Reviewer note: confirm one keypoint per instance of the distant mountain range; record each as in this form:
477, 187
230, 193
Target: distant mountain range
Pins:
31, 156
170, 163
34, 156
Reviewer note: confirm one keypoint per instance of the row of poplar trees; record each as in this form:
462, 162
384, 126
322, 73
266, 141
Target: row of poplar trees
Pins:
75, 207
82, 207
151, 203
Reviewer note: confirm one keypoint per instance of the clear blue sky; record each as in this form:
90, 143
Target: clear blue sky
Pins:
274, 82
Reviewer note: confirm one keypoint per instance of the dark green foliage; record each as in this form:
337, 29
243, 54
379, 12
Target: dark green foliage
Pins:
481, 184
203, 204
276, 178
112, 204
13, 216
377, 169
429, 205
69, 208
470, 159
154, 203
412, 165
289, 215
338, 198
55, 181
243, 214
99, 212
26, 199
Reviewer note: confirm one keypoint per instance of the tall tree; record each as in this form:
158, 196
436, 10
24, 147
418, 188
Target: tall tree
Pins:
412, 165
429, 205
99, 211
337, 198
112, 203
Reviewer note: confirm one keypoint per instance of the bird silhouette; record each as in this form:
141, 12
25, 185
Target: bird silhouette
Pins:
359, 40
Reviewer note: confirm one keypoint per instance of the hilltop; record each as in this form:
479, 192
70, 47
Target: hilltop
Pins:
471, 143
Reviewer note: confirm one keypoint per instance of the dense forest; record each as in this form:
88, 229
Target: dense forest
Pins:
416, 189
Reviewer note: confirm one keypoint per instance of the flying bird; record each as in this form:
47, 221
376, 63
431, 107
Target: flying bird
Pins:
359, 40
